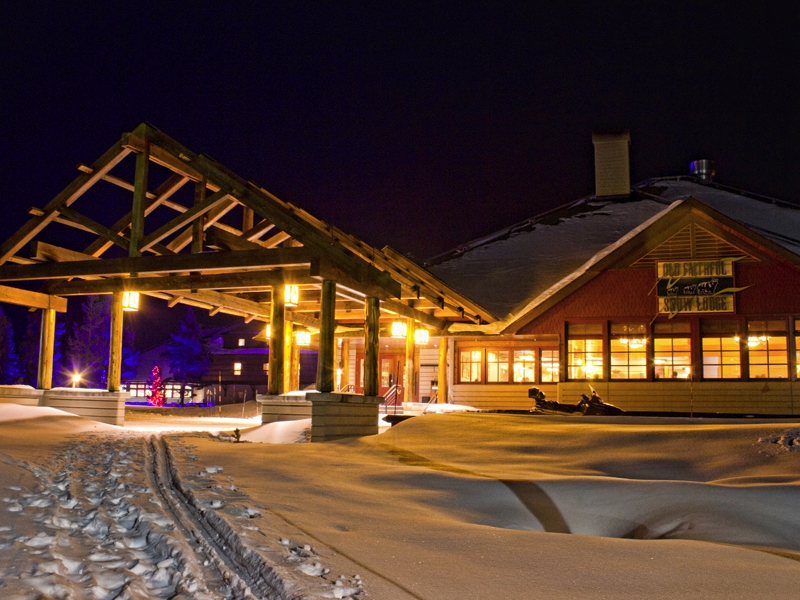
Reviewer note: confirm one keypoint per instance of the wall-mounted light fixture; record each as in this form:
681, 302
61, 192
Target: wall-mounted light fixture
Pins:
291, 296
302, 337
421, 337
130, 301
399, 329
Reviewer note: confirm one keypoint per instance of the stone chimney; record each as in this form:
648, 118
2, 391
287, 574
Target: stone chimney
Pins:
612, 167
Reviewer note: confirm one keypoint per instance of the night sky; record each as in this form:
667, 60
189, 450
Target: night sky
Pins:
417, 125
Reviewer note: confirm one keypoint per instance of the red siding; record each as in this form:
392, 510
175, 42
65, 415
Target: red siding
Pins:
775, 289
614, 293
619, 293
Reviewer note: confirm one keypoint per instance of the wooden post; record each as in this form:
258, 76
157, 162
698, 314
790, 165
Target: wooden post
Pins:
198, 228
115, 350
337, 359
372, 314
247, 218
277, 326
140, 181
295, 368
409, 395
326, 369
345, 364
442, 393
288, 342
47, 338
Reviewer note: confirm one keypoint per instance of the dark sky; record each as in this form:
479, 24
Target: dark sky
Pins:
418, 125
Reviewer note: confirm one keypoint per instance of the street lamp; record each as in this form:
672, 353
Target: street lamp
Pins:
76, 379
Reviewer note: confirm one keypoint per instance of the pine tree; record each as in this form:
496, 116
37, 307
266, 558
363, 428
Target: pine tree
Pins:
9, 364
89, 343
156, 387
188, 352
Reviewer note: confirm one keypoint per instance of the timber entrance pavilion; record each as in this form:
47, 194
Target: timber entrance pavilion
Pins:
187, 230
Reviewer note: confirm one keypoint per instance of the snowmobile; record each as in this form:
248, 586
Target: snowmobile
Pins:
591, 406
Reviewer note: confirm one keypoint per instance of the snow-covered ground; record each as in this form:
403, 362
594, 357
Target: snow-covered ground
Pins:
440, 506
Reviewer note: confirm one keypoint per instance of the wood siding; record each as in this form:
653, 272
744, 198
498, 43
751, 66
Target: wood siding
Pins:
503, 396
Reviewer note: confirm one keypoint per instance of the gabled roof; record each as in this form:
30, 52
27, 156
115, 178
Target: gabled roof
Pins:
196, 233
518, 269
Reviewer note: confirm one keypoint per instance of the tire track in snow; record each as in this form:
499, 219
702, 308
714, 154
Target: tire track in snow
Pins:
245, 569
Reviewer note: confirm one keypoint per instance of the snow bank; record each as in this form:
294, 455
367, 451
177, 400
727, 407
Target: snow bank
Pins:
281, 432
17, 412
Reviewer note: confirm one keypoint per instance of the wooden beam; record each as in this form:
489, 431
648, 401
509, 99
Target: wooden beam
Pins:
216, 261
219, 281
38, 212
258, 230
198, 210
303, 319
212, 217
412, 313
140, 183
269, 207
223, 239
165, 191
135, 141
67, 196
13, 295
43, 251
97, 228
198, 225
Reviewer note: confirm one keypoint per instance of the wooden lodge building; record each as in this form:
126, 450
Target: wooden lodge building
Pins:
674, 295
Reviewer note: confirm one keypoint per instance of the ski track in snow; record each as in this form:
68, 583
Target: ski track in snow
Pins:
110, 519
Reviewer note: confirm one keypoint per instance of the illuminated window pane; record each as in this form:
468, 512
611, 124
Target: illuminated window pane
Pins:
768, 355
721, 358
585, 358
470, 366
550, 367
672, 358
496, 366
524, 365
237, 368
241, 341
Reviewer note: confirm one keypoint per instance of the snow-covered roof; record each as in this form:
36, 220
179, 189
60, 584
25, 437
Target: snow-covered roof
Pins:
505, 271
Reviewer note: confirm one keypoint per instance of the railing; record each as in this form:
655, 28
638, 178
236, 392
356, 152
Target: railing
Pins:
390, 399
348, 388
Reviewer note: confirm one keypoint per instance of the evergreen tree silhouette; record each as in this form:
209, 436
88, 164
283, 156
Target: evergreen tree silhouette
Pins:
188, 352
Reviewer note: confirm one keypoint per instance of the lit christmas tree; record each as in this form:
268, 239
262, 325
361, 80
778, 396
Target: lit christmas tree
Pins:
156, 387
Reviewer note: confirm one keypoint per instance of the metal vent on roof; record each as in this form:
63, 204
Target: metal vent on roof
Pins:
702, 169
692, 243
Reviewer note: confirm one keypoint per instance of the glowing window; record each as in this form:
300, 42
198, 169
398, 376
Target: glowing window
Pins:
767, 345
721, 349
584, 350
470, 366
628, 351
550, 367
524, 365
496, 366
237, 368
241, 341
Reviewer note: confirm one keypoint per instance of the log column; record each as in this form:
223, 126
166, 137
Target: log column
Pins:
44, 379
326, 369
442, 392
288, 356
345, 364
198, 225
115, 350
410, 350
140, 182
372, 314
277, 327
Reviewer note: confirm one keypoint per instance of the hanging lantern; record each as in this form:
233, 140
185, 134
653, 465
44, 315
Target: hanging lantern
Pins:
268, 332
130, 301
421, 337
399, 329
291, 295
302, 337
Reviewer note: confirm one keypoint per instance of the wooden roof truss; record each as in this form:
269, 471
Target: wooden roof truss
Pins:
220, 248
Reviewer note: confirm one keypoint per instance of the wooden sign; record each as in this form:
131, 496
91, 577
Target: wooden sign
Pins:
696, 286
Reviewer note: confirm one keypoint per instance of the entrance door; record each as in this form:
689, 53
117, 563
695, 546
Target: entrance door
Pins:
390, 373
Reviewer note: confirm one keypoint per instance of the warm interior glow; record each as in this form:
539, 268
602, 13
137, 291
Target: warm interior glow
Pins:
291, 295
302, 337
76, 379
268, 332
399, 329
421, 336
130, 301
